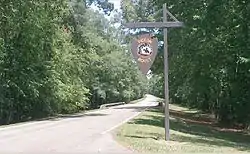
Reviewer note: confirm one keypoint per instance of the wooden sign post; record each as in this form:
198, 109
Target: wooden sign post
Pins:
165, 24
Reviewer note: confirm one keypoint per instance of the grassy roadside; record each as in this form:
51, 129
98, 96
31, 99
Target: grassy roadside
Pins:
191, 132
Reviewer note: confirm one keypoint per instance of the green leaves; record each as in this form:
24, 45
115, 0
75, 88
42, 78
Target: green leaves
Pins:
60, 57
31, 71
209, 65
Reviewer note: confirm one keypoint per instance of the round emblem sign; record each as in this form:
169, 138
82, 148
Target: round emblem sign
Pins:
144, 50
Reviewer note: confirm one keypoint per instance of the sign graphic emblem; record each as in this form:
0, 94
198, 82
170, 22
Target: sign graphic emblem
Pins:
144, 50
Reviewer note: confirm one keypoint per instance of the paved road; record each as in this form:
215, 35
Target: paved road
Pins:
85, 134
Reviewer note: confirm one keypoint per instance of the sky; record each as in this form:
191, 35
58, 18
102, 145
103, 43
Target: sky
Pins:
116, 3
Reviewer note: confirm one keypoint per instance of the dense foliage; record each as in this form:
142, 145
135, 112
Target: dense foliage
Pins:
209, 57
61, 57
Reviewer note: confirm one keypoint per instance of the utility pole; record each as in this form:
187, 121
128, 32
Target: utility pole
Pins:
164, 25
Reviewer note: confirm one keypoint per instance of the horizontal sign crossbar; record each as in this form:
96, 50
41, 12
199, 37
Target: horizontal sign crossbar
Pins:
153, 24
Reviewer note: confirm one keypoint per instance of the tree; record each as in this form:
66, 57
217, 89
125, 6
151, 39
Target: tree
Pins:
60, 57
208, 59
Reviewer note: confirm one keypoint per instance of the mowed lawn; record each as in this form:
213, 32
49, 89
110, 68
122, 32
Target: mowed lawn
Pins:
191, 132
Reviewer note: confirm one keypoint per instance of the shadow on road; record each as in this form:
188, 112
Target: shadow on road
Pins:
70, 116
84, 115
139, 108
135, 108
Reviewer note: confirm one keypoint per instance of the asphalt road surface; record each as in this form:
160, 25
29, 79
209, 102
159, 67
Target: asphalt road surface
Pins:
77, 134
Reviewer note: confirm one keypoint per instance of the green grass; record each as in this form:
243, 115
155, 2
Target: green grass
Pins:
191, 132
